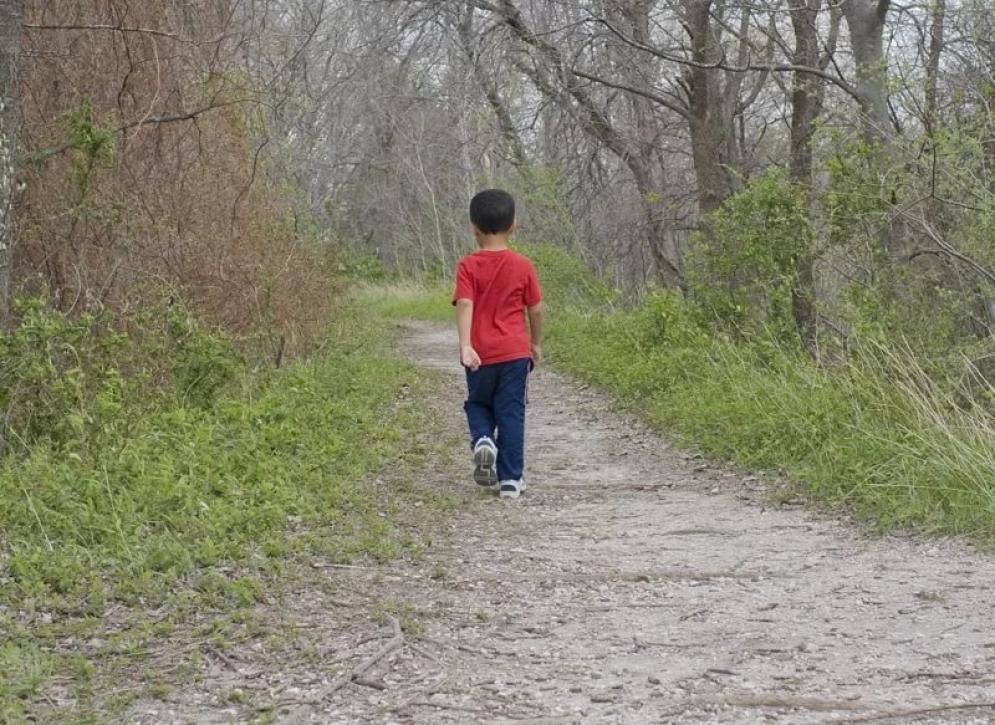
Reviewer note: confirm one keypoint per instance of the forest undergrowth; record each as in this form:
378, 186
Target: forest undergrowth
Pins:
156, 484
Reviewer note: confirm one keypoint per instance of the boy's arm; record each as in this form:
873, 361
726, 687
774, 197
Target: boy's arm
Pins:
464, 321
535, 331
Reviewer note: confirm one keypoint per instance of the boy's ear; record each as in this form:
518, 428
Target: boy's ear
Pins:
514, 229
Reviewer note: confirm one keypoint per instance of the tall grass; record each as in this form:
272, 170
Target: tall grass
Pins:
876, 434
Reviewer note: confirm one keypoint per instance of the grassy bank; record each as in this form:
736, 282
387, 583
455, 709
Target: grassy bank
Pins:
875, 435
174, 507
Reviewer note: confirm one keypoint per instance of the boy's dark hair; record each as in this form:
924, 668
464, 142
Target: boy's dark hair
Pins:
493, 211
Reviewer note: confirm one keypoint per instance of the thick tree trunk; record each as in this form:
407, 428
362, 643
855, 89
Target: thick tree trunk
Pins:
865, 19
647, 164
806, 106
708, 126
662, 249
10, 48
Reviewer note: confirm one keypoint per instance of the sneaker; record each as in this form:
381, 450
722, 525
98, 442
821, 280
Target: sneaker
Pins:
511, 489
484, 458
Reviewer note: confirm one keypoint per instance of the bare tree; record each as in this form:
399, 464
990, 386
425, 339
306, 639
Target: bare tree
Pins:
807, 99
555, 78
470, 43
712, 139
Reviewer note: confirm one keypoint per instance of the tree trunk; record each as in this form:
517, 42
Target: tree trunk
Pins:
933, 62
806, 106
10, 48
865, 19
647, 164
931, 119
988, 142
705, 102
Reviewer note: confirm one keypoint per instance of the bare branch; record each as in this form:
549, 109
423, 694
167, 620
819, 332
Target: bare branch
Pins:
123, 29
649, 95
721, 64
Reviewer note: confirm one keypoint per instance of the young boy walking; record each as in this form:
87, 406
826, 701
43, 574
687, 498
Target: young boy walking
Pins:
495, 289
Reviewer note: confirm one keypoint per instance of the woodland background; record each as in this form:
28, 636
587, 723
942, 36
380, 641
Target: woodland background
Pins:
768, 226
843, 148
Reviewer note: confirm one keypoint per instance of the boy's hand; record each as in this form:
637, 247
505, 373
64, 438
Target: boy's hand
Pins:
469, 358
537, 355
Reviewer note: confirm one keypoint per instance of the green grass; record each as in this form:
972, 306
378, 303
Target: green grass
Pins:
400, 300
875, 436
192, 508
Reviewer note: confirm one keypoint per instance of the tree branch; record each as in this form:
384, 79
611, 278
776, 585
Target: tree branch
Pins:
721, 64
655, 97
45, 154
120, 29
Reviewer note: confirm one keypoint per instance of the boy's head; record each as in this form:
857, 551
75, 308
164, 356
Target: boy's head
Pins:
493, 212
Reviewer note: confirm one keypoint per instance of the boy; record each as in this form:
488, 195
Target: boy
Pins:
495, 286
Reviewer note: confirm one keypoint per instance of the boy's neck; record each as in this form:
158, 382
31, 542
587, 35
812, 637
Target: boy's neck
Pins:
493, 242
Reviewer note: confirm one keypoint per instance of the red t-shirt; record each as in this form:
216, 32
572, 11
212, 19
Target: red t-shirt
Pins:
501, 285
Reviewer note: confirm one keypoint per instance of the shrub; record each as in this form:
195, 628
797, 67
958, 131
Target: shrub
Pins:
58, 379
742, 269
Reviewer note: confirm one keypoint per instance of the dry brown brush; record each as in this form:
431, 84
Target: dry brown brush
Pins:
146, 171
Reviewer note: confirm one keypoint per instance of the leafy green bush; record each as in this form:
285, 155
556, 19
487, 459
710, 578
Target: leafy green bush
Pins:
363, 267
743, 269
58, 380
201, 363
65, 381
566, 280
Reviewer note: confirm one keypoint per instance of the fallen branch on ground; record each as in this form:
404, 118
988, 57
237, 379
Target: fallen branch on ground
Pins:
356, 674
895, 714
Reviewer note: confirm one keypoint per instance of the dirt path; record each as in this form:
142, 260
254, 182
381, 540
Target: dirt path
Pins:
633, 584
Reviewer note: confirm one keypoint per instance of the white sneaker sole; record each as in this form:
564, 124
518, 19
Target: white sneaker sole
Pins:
484, 472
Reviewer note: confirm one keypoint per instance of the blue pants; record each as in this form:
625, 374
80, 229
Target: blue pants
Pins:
496, 400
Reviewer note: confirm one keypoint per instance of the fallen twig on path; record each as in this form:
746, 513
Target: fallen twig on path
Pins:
894, 714
325, 565
447, 706
357, 672
370, 682
457, 646
790, 701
